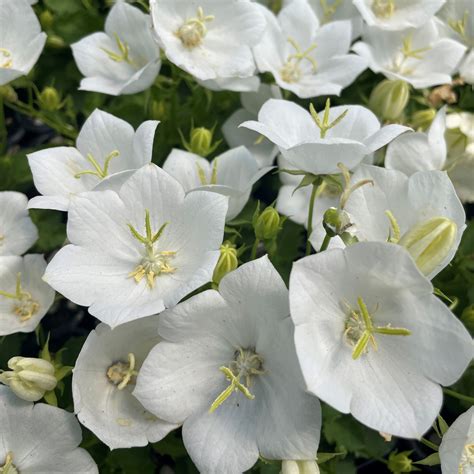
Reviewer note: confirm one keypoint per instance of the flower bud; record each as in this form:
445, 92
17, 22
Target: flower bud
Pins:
467, 317
336, 221
299, 467
29, 378
55, 41
49, 99
400, 462
159, 110
389, 99
227, 262
200, 142
267, 225
46, 19
422, 119
8, 93
430, 242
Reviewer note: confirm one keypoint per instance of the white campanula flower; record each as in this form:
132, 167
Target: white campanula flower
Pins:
227, 369
317, 143
237, 84
397, 14
418, 56
304, 58
17, 231
209, 39
139, 250
102, 383
21, 40
24, 297
421, 212
124, 59
40, 438
372, 339
261, 148
456, 451
231, 174
106, 145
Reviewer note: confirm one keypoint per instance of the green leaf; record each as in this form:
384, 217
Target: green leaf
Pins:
51, 228
443, 426
431, 460
130, 461
50, 398
325, 457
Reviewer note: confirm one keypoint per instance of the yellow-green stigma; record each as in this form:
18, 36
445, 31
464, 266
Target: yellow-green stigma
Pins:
461, 27
122, 373
100, 172
155, 262
324, 125
467, 458
202, 174
123, 54
291, 70
246, 364
6, 58
192, 31
407, 52
9, 467
329, 10
383, 8
24, 306
360, 331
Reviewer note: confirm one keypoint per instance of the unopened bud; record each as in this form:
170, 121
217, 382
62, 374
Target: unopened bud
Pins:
55, 41
159, 110
299, 467
422, 119
49, 99
268, 224
227, 262
389, 99
430, 242
46, 19
400, 462
30, 378
8, 93
336, 221
200, 142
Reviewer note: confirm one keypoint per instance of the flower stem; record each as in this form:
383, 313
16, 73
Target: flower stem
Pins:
459, 396
253, 254
429, 444
325, 244
314, 192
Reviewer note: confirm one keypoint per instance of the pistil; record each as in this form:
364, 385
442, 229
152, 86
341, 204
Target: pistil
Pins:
24, 306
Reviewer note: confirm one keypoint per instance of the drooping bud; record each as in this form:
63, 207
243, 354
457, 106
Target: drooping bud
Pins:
400, 462
30, 378
268, 224
389, 99
430, 242
46, 19
8, 93
299, 467
228, 261
49, 99
422, 119
336, 221
200, 141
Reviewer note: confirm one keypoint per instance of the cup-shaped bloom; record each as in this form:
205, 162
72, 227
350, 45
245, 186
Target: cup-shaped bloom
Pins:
209, 39
105, 146
40, 438
24, 297
305, 58
139, 250
342, 134
418, 56
17, 231
21, 42
227, 369
421, 212
124, 59
456, 451
102, 383
231, 174
372, 339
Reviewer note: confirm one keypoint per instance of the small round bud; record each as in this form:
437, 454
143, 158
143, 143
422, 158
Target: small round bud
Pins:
159, 110
422, 119
336, 221
49, 99
56, 42
389, 99
400, 462
8, 93
267, 225
227, 262
46, 19
299, 467
201, 141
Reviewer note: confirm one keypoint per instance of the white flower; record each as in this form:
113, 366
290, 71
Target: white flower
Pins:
316, 143
21, 42
137, 251
40, 439
263, 150
456, 451
231, 174
417, 56
102, 384
237, 84
304, 58
123, 60
372, 339
397, 14
24, 297
227, 370
106, 145
209, 39
17, 231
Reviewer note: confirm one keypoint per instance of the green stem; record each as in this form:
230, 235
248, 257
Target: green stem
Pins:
310, 215
459, 396
3, 129
325, 244
429, 444
253, 254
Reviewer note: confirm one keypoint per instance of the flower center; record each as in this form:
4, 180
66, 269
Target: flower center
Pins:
193, 30
291, 70
155, 263
324, 125
122, 373
9, 467
383, 8
123, 54
202, 174
6, 58
467, 458
24, 306
99, 171
399, 63
359, 329
329, 10
246, 364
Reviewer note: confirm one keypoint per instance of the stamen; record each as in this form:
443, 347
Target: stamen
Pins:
25, 307
98, 171
124, 51
467, 458
121, 373
6, 57
324, 125
394, 232
291, 71
193, 31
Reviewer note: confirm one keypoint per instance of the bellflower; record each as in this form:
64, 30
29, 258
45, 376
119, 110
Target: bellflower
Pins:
316, 143
304, 58
372, 339
106, 145
22, 39
17, 231
227, 370
103, 380
40, 438
237, 84
124, 59
415, 55
139, 250
209, 39
24, 297
231, 174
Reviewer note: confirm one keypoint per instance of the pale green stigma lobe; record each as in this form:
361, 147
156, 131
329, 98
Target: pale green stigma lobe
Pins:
383, 8
291, 71
202, 174
9, 467
329, 10
324, 125
123, 56
99, 171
